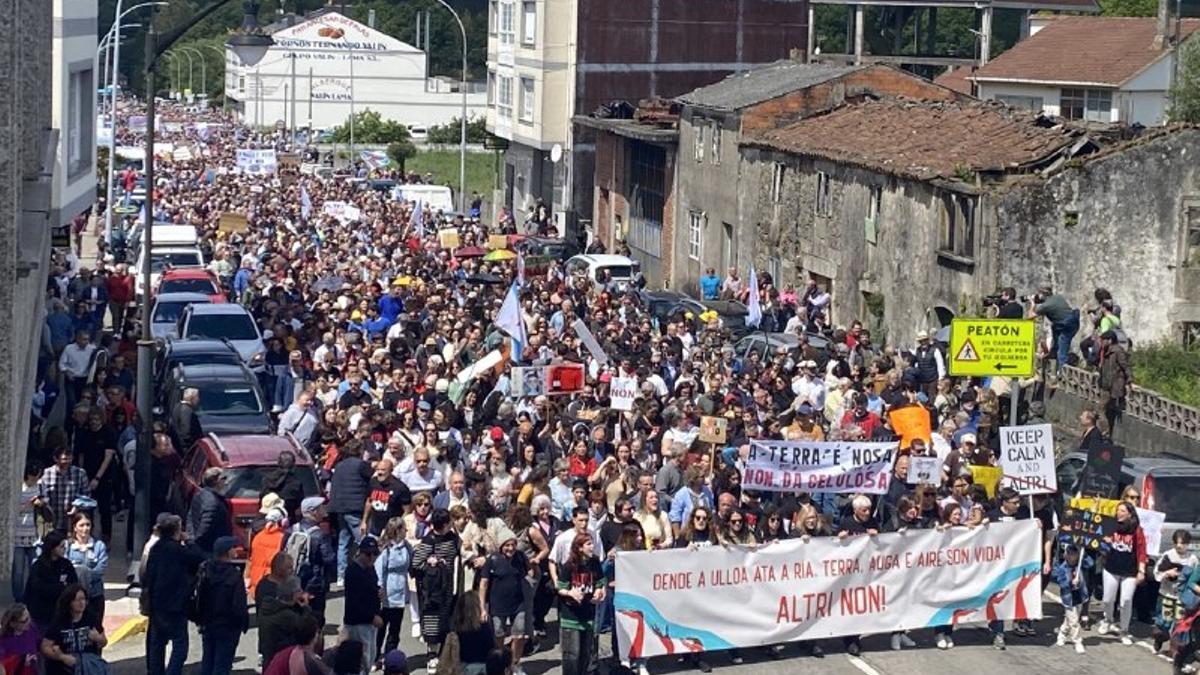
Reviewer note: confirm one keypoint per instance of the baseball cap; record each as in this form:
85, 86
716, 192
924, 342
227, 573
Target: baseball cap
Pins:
369, 545
395, 661
311, 504
224, 545
968, 438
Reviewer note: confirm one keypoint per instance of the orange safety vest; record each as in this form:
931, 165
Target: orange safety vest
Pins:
263, 547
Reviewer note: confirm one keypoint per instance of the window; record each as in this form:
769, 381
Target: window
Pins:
695, 225
80, 125
958, 225
526, 99
528, 23
716, 142
1033, 103
875, 200
504, 102
1092, 105
507, 28
493, 13
699, 146
823, 205
777, 182
491, 88
241, 83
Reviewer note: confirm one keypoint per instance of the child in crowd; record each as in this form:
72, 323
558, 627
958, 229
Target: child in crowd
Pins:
1072, 584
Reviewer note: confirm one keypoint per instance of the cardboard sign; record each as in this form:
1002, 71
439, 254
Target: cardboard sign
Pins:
924, 470
589, 341
1086, 521
288, 160
1027, 457
496, 241
910, 422
448, 238
622, 392
1152, 527
713, 429
232, 222
528, 381
987, 476
566, 378
1101, 476
256, 161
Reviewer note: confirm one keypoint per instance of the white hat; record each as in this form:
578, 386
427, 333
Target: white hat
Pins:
922, 335
968, 438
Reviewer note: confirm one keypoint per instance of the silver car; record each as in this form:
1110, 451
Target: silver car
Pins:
168, 307
229, 321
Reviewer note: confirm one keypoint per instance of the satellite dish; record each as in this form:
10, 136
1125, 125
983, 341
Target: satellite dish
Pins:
556, 153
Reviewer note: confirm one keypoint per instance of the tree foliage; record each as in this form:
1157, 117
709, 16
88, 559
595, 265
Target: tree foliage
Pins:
1128, 7
451, 132
370, 127
1183, 100
401, 151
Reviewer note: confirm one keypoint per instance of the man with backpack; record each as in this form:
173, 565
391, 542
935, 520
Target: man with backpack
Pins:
314, 553
221, 608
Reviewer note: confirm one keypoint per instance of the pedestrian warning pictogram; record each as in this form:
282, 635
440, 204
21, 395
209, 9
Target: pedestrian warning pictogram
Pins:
967, 352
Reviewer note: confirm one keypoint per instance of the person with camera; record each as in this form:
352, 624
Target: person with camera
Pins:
1008, 306
1064, 321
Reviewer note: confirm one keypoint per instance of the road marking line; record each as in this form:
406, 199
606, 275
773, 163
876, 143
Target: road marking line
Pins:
862, 665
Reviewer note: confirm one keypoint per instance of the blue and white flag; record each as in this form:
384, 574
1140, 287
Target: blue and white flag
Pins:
376, 159
509, 320
418, 218
754, 318
305, 202
521, 269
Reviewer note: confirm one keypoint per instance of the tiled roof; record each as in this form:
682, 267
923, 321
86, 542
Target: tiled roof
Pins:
956, 79
741, 90
1103, 50
923, 140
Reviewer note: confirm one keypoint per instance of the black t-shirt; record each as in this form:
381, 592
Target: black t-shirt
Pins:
1011, 310
588, 578
851, 524
71, 639
998, 516
387, 499
506, 597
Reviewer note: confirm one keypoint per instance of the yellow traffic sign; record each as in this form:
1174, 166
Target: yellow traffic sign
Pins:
985, 347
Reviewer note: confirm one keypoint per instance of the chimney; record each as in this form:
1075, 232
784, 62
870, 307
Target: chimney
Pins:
1160, 24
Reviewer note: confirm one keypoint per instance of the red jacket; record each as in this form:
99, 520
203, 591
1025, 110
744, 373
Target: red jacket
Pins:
120, 288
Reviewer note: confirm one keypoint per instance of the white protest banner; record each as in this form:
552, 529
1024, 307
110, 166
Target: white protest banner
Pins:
343, 211
1152, 527
622, 392
1027, 457
256, 161
924, 471
679, 601
819, 466
528, 381
589, 341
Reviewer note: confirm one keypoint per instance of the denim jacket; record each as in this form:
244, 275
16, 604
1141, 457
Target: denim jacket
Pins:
1062, 572
392, 569
90, 564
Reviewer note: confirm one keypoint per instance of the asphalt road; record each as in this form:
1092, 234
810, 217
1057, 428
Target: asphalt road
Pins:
973, 654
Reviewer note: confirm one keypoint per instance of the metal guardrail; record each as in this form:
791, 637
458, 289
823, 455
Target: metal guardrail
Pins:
1145, 404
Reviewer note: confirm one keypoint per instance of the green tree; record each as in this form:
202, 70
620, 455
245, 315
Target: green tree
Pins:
370, 127
401, 151
1183, 100
1128, 7
451, 132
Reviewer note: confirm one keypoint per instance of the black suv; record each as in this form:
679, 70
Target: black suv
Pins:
231, 400
192, 352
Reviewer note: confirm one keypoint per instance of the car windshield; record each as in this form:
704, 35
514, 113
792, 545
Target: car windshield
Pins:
245, 482
619, 271
204, 359
168, 312
223, 399
161, 261
232, 326
187, 286
1178, 497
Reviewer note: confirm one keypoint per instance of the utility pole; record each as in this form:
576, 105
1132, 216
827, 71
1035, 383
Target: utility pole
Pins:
294, 93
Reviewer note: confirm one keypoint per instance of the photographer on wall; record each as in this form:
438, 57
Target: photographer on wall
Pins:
1064, 321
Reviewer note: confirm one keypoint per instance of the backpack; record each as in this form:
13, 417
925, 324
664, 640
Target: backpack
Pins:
299, 547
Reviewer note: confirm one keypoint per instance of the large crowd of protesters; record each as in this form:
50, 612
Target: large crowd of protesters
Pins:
479, 521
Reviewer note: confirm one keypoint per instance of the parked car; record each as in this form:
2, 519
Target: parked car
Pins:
162, 259
814, 347
192, 352
666, 306
231, 322
244, 460
620, 269
231, 400
191, 280
168, 307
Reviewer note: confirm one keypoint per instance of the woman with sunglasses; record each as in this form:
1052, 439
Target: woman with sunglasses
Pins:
736, 532
699, 530
18, 642
772, 527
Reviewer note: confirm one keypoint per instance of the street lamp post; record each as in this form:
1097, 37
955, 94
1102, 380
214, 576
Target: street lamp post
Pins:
203, 69
462, 141
224, 74
251, 45
191, 72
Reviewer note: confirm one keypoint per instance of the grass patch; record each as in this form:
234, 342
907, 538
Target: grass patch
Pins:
443, 164
1169, 369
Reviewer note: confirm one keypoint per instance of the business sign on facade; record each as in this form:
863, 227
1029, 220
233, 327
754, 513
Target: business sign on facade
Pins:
679, 601
988, 347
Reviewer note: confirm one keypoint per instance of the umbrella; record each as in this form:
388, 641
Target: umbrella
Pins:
484, 278
470, 252
328, 283
500, 254
943, 335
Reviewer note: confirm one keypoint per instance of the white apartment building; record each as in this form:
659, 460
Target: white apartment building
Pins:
73, 109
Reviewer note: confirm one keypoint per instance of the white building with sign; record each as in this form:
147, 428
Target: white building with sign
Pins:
325, 66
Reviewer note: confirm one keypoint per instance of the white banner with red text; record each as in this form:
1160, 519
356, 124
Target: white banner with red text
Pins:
679, 601
819, 466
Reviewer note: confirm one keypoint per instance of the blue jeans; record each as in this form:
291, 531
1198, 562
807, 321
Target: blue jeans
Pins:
219, 648
997, 627
22, 560
161, 631
347, 528
1063, 333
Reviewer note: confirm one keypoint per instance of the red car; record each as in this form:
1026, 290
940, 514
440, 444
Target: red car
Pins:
244, 460
191, 280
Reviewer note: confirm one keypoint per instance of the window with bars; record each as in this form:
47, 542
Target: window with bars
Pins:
1091, 105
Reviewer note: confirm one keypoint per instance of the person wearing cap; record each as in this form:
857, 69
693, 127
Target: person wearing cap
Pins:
315, 553
166, 594
502, 595
222, 612
362, 614
267, 540
929, 363
208, 514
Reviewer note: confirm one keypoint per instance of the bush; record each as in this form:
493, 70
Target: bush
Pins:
1169, 369
451, 132
371, 128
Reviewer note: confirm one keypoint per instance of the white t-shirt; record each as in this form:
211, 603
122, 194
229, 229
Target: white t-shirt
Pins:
561, 551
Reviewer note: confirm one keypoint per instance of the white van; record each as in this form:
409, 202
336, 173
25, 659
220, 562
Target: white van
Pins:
620, 269
436, 197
